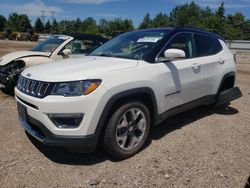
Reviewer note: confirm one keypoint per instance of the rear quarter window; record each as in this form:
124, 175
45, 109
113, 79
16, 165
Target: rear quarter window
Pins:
206, 45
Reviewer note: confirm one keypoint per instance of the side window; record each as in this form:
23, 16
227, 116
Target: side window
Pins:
206, 45
82, 46
90, 44
78, 47
182, 41
69, 45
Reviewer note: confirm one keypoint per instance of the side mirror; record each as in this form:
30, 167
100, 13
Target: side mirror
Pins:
66, 52
174, 54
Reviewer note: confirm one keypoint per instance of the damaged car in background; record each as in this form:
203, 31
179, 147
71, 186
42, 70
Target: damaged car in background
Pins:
55, 48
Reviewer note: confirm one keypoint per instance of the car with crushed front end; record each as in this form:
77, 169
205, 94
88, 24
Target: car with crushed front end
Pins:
113, 96
54, 48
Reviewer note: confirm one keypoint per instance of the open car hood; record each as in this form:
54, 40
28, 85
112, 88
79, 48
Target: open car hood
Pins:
20, 54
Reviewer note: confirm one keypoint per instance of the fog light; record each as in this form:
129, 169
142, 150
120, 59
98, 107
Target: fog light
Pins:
66, 121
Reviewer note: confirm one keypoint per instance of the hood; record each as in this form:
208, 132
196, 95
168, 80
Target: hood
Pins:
19, 54
77, 69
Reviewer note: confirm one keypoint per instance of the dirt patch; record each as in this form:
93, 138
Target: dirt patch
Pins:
199, 148
7, 46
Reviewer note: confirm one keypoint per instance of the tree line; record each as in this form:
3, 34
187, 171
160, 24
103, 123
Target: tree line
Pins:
232, 26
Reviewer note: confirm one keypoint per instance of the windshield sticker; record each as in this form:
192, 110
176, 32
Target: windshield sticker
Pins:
149, 39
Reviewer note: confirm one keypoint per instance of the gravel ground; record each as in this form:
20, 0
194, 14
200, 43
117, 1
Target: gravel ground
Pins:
7, 46
199, 148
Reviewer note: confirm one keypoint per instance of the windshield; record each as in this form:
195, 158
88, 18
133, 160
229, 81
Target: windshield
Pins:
132, 45
50, 44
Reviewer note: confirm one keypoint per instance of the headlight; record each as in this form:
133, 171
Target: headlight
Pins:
76, 88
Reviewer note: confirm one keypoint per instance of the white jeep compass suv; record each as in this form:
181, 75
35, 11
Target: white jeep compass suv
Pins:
114, 95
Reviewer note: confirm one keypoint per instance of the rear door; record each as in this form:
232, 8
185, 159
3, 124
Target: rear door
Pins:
181, 80
208, 52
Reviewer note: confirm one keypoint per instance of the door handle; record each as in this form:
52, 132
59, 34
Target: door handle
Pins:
196, 67
221, 62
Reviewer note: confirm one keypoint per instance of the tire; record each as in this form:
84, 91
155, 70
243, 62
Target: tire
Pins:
127, 130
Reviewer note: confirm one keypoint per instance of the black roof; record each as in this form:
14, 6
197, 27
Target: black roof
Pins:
88, 36
197, 30
187, 29
166, 29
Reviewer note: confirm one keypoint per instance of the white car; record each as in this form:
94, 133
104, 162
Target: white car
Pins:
55, 48
113, 96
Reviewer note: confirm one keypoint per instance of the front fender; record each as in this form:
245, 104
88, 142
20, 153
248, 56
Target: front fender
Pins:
35, 60
4, 62
13, 56
10, 71
28, 60
108, 102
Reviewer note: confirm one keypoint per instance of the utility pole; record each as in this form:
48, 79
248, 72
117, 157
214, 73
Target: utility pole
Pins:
43, 20
64, 28
52, 12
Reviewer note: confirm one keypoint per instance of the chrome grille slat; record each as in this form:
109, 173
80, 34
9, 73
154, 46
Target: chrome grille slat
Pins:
36, 87
24, 84
44, 88
33, 87
39, 90
27, 86
21, 81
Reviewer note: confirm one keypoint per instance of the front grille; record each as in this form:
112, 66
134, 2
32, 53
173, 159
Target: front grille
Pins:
33, 87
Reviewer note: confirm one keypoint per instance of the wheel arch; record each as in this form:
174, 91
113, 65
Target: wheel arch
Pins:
21, 62
227, 82
144, 94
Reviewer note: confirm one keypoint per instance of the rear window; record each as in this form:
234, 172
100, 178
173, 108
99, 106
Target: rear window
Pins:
206, 45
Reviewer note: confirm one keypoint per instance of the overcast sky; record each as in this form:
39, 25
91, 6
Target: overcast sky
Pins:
133, 9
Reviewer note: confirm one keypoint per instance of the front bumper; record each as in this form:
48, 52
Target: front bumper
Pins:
38, 131
40, 109
35, 119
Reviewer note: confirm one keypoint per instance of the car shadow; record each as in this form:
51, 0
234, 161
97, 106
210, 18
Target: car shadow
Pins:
63, 156
178, 121
248, 183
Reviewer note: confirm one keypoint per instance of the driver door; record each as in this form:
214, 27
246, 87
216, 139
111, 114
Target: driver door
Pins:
181, 80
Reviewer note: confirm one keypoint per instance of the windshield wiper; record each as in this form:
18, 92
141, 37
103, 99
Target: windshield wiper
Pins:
105, 55
115, 56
